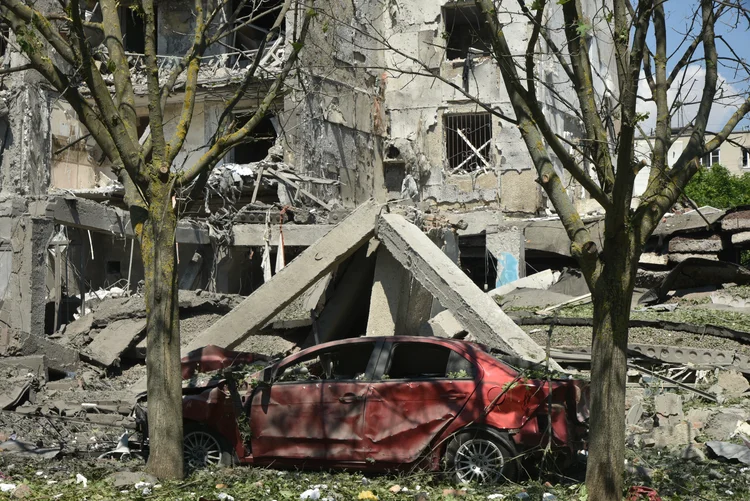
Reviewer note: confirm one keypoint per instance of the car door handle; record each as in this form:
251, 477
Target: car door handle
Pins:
453, 395
349, 398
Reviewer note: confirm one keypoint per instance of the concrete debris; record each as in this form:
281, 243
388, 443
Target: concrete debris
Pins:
696, 272
35, 365
722, 425
704, 245
13, 393
730, 384
57, 357
635, 412
730, 451
571, 283
531, 299
113, 340
127, 479
677, 257
444, 324
729, 300
542, 280
736, 221
669, 409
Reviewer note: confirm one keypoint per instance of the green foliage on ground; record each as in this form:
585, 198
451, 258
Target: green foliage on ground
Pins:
675, 479
716, 187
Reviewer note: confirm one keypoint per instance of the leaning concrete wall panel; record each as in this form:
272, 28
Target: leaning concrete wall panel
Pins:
479, 313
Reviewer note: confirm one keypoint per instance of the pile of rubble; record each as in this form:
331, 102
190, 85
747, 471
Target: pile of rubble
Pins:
687, 425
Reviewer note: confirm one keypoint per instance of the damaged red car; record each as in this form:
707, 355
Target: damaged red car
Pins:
376, 404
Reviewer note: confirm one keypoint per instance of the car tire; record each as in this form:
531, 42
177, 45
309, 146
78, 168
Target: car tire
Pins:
481, 457
204, 448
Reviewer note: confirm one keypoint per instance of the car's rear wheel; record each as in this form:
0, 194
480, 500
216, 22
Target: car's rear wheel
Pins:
203, 448
480, 457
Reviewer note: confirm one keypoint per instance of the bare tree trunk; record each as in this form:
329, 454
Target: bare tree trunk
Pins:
611, 299
163, 356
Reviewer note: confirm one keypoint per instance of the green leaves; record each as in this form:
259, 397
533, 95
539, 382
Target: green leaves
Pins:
717, 187
583, 28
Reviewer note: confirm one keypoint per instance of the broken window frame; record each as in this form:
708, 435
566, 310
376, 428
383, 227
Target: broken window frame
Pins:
241, 117
241, 54
324, 357
467, 144
462, 19
124, 10
453, 360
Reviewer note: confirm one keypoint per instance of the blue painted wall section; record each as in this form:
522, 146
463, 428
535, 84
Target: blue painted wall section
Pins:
507, 269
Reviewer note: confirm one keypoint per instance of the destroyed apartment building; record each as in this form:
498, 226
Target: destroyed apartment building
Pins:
374, 199
336, 139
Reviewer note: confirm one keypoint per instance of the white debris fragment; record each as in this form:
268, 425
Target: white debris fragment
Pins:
313, 494
223, 496
7, 487
80, 479
141, 485
547, 496
496, 496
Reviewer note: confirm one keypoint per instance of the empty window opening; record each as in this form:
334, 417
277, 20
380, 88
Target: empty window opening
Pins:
256, 145
467, 141
348, 362
711, 158
394, 172
133, 27
254, 20
420, 361
113, 267
745, 157
465, 30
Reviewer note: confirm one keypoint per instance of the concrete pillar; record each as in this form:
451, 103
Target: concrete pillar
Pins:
399, 305
26, 293
386, 293
507, 246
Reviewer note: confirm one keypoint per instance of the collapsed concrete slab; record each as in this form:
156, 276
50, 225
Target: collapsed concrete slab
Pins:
736, 221
542, 280
32, 364
703, 245
741, 238
58, 358
306, 269
474, 309
117, 337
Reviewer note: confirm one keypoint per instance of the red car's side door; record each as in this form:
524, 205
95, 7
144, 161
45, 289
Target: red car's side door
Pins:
314, 408
420, 389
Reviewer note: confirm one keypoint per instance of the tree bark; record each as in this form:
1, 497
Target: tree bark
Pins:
163, 331
611, 298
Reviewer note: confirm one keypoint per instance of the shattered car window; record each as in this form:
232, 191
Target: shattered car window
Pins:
339, 363
420, 361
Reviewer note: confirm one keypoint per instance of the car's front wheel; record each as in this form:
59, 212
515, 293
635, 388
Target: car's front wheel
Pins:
477, 456
202, 448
